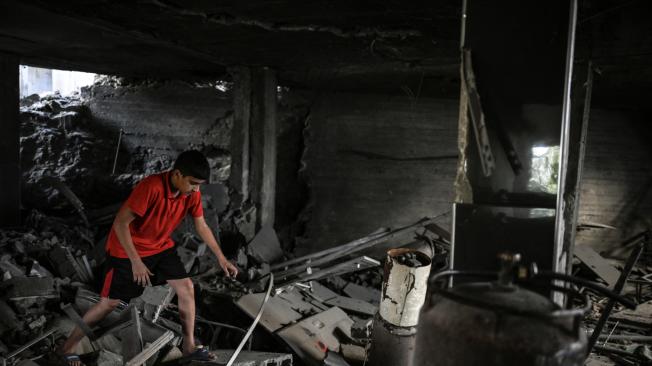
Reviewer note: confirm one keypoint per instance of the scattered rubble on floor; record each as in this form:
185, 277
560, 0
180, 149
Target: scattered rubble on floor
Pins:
626, 336
51, 270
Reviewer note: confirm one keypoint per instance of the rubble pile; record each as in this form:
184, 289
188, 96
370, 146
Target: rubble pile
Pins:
40, 267
624, 334
51, 275
58, 141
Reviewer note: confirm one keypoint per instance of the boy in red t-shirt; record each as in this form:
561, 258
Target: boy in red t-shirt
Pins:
140, 251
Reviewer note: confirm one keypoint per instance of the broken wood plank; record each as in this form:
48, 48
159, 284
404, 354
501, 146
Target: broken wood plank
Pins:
642, 315
597, 264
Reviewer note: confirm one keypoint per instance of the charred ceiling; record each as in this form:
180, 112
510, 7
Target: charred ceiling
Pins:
380, 45
310, 43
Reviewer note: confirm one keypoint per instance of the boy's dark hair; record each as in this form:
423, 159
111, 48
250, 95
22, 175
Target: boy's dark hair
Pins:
193, 163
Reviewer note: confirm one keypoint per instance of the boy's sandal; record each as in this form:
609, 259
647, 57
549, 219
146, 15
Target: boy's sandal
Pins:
70, 358
200, 353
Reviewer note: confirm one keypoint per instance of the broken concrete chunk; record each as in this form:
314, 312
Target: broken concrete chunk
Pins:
265, 247
21, 288
361, 329
7, 265
354, 305
8, 319
173, 354
354, 352
278, 312
64, 262
157, 295
107, 358
333, 299
368, 294
334, 359
258, 272
250, 358
27, 363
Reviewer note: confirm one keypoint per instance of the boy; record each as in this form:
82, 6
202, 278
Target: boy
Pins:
140, 251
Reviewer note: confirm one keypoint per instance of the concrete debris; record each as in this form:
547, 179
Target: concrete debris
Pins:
265, 247
278, 312
56, 258
354, 352
249, 358
22, 288
334, 359
313, 337
361, 329
364, 293
108, 358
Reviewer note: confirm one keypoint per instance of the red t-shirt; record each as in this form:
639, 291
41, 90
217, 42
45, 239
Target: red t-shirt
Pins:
158, 212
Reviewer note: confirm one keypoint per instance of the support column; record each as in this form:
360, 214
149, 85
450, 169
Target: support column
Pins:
9, 142
263, 145
240, 143
253, 141
576, 151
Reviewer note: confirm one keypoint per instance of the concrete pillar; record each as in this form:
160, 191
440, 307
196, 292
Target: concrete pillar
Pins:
240, 143
9, 142
263, 145
253, 141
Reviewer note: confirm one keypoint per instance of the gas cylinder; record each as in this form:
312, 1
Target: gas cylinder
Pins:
497, 323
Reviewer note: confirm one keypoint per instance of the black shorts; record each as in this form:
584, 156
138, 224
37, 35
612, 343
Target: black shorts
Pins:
119, 280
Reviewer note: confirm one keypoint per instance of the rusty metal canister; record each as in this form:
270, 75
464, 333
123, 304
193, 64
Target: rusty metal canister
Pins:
492, 324
403, 294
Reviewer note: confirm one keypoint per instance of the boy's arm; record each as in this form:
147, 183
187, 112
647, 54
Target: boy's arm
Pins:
121, 227
207, 236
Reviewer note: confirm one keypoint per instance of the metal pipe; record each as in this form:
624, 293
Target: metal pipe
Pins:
117, 151
560, 256
629, 266
31, 343
253, 325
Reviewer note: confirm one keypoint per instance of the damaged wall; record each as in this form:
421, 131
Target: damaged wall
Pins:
374, 161
162, 119
617, 178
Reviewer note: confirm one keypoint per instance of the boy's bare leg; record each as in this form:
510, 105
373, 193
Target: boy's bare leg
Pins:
186, 302
95, 314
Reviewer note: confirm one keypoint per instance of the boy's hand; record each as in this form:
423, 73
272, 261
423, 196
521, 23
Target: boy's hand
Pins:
141, 273
229, 269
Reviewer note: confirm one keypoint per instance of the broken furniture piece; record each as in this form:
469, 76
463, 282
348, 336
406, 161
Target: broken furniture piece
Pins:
313, 337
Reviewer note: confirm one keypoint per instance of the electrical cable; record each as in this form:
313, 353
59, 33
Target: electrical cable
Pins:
253, 325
